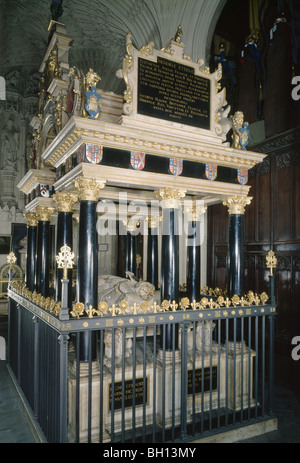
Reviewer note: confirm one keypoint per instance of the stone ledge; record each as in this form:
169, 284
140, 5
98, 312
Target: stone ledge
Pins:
240, 434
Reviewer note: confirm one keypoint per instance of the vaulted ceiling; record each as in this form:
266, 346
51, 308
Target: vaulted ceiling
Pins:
99, 28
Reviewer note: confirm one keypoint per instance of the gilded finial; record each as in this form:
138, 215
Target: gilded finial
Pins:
65, 259
271, 261
11, 258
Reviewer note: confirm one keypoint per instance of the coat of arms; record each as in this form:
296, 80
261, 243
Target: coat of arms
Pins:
44, 191
94, 153
137, 160
93, 103
176, 166
242, 176
211, 171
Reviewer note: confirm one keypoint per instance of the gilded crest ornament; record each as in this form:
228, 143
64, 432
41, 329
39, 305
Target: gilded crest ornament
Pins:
93, 96
271, 262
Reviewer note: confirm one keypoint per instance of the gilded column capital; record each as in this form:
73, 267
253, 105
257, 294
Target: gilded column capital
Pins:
65, 201
88, 189
170, 197
237, 204
31, 219
43, 214
131, 225
195, 212
153, 220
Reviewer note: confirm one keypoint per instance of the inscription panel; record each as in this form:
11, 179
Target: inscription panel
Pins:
141, 389
171, 91
198, 380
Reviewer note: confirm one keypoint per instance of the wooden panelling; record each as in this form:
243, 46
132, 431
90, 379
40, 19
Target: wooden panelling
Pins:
271, 222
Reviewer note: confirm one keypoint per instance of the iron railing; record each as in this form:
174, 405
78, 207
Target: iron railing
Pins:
218, 375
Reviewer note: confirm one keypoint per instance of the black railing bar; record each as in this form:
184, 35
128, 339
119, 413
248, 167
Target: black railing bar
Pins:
173, 381
256, 366
242, 370
101, 364
123, 384
164, 385
62, 384
202, 376
112, 408
184, 395
210, 373
19, 312
234, 369
90, 387
154, 386
194, 380
77, 386
271, 362
36, 343
145, 384
133, 384
250, 381
226, 381
263, 366
218, 374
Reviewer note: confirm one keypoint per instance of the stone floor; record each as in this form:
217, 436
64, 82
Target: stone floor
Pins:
15, 427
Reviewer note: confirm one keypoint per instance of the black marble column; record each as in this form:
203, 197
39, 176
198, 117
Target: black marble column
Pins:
235, 267
30, 270
43, 215
87, 264
64, 236
131, 252
152, 251
193, 263
170, 258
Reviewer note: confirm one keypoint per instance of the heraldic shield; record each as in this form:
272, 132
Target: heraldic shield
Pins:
93, 103
94, 153
137, 160
211, 171
176, 166
242, 176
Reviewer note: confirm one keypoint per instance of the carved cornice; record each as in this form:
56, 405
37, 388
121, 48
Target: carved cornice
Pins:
237, 204
65, 201
133, 135
88, 189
